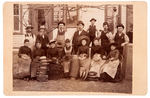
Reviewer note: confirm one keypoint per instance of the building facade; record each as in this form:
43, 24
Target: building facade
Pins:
50, 14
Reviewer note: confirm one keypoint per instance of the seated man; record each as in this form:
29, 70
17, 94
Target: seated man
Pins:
24, 60
55, 69
37, 53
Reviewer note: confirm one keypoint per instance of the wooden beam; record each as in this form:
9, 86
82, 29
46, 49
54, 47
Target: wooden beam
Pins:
105, 13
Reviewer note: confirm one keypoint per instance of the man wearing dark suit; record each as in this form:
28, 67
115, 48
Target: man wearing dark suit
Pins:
43, 38
80, 32
92, 30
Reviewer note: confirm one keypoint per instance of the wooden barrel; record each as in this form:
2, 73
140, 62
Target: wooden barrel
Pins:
66, 65
56, 71
127, 62
74, 70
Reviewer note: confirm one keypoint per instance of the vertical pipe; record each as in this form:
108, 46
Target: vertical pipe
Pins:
105, 13
21, 28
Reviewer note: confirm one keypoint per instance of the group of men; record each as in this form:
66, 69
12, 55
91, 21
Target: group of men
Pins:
54, 49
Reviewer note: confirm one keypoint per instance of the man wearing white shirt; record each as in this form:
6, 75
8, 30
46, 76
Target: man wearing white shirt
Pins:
30, 36
59, 34
59, 37
121, 38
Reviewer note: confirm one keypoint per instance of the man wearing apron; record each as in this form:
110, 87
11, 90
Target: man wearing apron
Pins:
59, 37
30, 36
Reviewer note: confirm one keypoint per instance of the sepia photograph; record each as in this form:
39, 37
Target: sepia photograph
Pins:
76, 47
72, 47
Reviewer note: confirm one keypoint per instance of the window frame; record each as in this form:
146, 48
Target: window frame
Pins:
19, 15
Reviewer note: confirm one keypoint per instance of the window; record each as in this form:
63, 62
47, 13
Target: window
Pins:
16, 17
58, 14
71, 15
66, 13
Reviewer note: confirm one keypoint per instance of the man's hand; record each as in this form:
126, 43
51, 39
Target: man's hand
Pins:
47, 45
104, 57
122, 44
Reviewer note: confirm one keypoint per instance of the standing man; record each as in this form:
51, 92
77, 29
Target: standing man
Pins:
59, 37
80, 32
30, 36
105, 39
121, 38
92, 30
43, 38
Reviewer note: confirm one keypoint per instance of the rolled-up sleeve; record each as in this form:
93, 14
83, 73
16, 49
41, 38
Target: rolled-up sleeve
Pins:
126, 39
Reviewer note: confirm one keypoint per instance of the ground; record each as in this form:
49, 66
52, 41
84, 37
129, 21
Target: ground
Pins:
73, 85
70, 85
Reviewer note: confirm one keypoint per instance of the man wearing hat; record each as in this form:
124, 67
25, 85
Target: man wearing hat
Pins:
80, 32
59, 36
55, 69
52, 51
30, 36
43, 38
106, 38
92, 29
121, 38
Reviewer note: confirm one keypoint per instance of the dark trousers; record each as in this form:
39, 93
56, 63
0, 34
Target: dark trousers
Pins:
92, 38
105, 49
60, 52
106, 78
75, 49
45, 50
120, 49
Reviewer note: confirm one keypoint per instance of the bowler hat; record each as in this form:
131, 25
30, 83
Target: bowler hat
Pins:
67, 41
52, 41
28, 27
105, 23
80, 22
26, 40
120, 25
93, 19
61, 22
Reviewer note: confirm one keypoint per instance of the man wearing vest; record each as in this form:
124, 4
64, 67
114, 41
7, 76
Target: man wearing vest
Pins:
105, 41
59, 37
92, 29
121, 38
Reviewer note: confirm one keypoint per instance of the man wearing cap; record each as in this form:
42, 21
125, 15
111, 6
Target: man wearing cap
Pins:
80, 32
59, 36
43, 38
30, 36
121, 38
92, 29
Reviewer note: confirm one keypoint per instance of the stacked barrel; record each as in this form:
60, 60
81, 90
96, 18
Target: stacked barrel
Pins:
42, 75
